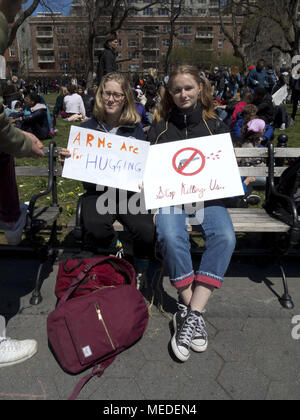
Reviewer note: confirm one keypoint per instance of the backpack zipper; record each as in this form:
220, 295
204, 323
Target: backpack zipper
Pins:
100, 317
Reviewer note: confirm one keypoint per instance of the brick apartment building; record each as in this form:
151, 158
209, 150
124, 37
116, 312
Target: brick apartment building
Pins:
52, 45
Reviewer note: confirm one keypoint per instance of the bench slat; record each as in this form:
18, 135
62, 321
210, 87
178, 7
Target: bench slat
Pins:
262, 152
35, 171
260, 170
46, 214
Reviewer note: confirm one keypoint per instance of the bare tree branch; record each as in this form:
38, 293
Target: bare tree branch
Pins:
28, 12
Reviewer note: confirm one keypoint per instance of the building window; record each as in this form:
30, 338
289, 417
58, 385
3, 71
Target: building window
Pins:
148, 12
133, 42
62, 29
163, 12
186, 30
63, 42
133, 67
64, 55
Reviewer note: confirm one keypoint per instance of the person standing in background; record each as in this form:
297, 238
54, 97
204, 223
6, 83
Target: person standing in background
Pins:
107, 60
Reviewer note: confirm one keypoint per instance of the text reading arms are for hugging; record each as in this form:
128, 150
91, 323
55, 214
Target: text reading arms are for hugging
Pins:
96, 161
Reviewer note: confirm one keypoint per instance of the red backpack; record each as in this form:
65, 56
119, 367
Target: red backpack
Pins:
107, 271
91, 329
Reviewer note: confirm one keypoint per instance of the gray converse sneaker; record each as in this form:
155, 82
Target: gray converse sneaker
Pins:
185, 324
199, 342
16, 351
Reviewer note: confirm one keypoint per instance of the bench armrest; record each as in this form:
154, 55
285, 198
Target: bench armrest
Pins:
273, 197
51, 188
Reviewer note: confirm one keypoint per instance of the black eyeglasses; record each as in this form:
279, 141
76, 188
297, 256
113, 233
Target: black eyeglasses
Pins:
116, 95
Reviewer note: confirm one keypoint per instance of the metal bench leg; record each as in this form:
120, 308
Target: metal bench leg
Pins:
36, 297
47, 255
285, 300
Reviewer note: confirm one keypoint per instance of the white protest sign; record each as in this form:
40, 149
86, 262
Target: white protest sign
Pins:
280, 95
189, 171
105, 159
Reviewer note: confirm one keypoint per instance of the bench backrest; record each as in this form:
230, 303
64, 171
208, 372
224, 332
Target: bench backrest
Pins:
278, 154
254, 152
41, 170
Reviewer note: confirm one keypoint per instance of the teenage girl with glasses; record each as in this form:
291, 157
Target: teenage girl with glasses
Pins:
115, 112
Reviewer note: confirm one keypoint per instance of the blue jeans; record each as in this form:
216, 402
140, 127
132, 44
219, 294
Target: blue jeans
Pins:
173, 241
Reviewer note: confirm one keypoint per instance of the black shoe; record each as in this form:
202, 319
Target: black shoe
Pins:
253, 200
184, 325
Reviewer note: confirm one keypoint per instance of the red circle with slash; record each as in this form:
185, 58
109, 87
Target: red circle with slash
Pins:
194, 154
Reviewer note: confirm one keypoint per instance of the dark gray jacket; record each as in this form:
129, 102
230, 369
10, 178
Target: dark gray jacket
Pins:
107, 62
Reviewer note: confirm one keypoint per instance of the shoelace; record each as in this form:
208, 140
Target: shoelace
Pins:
188, 330
201, 327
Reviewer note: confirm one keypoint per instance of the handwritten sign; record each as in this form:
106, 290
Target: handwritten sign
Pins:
105, 159
279, 96
189, 171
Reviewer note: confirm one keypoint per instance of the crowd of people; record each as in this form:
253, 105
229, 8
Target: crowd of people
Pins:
187, 103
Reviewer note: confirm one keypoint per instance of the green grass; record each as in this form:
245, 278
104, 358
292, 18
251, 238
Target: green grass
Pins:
68, 190
293, 132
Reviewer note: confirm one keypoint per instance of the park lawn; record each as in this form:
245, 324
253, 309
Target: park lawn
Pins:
293, 132
67, 190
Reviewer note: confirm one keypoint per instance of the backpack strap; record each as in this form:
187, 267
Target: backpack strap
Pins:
86, 269
97, 370
81, 276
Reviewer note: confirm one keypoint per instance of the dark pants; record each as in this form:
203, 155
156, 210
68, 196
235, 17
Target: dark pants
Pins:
99, 227
295, 100
9, 197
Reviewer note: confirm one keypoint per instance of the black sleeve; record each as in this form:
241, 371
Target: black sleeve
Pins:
218, 127
35, 116
153, 133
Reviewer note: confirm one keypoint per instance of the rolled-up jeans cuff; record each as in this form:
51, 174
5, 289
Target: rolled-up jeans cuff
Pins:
209, 279
183, 281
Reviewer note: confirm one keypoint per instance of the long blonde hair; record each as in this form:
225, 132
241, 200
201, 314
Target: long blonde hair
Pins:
205, 96
129, 113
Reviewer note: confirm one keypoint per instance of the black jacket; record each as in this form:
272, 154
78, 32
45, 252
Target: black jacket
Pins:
181, 126
107, 62
37, 122
265, 108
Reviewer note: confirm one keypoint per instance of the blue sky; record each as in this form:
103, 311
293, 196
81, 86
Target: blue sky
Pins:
56, 5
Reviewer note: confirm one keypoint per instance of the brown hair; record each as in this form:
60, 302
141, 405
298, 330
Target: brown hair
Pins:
129, 114
249, 113
111, 37
205, 96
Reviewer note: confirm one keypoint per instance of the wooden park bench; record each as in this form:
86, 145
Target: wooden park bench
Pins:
245, 220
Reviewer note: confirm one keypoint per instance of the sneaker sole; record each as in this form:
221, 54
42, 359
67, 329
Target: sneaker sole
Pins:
177, 353
199, 349
33, 352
